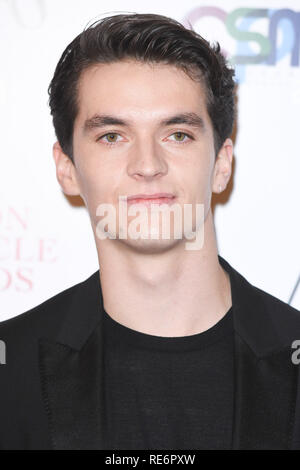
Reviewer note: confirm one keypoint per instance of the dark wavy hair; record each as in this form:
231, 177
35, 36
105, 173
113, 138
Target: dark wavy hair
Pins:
149, 38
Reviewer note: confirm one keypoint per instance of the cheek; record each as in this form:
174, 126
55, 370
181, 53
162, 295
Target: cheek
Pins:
202, 170
94, 186
196, 180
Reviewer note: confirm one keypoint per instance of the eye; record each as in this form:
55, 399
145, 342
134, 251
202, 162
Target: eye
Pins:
181, 136
110, 135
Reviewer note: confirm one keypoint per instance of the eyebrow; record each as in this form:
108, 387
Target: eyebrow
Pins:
101, 120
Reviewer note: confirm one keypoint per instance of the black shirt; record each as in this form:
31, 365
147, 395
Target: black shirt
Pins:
168, 392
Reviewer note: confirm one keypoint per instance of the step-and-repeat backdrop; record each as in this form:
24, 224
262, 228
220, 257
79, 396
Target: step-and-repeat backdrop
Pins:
46, 241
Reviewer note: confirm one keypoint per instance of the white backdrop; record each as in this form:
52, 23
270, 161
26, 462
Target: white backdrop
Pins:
46, 242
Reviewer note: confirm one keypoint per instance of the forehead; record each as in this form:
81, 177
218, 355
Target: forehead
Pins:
141, 89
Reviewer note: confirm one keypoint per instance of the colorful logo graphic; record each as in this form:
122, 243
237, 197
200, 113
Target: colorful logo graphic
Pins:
283, 24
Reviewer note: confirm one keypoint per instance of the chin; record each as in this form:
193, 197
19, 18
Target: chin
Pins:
150, 246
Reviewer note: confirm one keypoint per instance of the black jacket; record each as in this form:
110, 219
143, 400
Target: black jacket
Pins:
50, 393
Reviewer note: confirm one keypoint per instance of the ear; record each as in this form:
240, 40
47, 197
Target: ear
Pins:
223, 167
65, 171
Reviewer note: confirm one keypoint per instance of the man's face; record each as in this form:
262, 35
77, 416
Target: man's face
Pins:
144, 155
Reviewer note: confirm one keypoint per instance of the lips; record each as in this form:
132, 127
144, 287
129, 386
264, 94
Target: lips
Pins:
148, 199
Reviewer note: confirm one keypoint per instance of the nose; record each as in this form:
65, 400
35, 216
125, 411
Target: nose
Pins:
146, 161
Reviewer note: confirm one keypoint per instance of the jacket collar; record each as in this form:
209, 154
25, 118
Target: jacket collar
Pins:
263, 329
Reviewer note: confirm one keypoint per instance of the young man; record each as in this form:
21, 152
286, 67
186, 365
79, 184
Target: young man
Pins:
164, 347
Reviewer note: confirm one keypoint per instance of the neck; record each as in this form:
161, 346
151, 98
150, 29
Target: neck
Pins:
175, 293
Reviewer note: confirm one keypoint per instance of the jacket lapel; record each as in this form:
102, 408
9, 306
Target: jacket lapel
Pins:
265, 393
72, 393
71, 371
265, 377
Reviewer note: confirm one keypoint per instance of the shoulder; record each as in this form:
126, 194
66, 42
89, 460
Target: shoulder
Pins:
262, 319
270, 301
281, 312
274, 323
44, 318
247, 293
